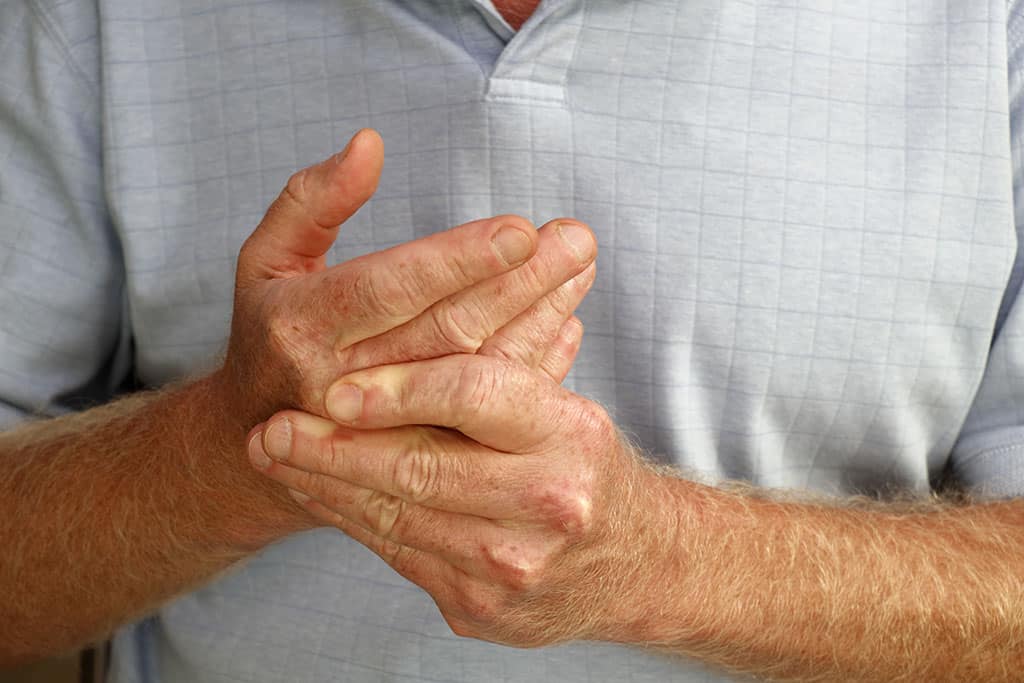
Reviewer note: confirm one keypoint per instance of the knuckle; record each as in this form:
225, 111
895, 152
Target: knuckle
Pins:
418, 472
477, 384
296, 192
333, 449
507, 347
459, 270
380, 294
392, 553
567, 506
458, 327
295, 188
479, 605
577, 514
381, 514
532, 278
286, 336
514, 569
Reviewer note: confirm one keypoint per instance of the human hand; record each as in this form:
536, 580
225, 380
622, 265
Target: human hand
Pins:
531, 524
496, 286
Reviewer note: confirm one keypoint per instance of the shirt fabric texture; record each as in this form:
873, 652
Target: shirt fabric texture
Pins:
808, 272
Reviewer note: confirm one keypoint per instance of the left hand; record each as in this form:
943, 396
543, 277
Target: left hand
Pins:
528, 520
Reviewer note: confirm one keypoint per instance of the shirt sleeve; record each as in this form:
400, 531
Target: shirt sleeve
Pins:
988, 458
64, 340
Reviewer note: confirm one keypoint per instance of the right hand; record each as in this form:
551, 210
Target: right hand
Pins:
494, 286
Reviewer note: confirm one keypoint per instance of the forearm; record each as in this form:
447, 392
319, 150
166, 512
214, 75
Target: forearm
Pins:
805, 591
105, 514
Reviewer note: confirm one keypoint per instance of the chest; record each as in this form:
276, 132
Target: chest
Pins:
804, 217
516, 12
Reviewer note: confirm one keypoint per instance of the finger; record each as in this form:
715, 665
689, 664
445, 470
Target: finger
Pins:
429, 572
527, 338
472, 544
502, 405
374, 293
423, 466
562, 351
302, 223
548, 287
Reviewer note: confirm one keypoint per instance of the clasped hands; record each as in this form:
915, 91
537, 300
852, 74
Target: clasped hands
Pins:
411, 398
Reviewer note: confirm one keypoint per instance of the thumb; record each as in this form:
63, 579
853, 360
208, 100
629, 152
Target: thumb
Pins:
302, 223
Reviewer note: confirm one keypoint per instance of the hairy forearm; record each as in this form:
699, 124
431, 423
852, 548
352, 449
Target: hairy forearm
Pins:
805, 591
107, 513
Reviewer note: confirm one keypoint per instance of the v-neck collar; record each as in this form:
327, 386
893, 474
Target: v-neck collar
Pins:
495, 20
515, 72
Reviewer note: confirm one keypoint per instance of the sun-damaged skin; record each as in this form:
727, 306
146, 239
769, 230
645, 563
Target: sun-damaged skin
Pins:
105, 514
530, 521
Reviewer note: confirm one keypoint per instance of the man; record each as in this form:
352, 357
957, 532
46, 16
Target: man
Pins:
807, 282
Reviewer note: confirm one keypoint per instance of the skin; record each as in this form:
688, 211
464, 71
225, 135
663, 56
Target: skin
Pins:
151, 495
530, 521
516, 12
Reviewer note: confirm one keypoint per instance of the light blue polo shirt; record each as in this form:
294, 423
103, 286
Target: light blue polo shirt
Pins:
805, 210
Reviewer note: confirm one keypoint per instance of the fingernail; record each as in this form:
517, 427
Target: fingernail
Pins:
278, 439
300, 498
257, 456
578, 239
345, 402
512, 245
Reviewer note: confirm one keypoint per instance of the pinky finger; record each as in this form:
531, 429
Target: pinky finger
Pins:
561, 353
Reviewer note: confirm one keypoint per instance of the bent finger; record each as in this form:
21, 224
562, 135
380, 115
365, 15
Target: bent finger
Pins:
562, 351
503, 405
529, 337
377, 292
542, 292
424, 466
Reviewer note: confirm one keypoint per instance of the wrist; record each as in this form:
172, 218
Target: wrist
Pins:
250, 510
650, 549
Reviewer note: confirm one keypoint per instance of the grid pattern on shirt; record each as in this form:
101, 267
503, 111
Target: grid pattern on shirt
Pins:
804, 212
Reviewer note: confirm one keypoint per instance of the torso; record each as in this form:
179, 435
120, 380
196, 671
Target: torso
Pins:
802, 249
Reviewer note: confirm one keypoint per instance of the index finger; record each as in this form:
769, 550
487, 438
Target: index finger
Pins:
374, 293
434, 468
499, 404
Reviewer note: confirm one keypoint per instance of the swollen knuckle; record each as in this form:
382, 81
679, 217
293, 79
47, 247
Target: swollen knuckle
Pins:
295, 188
577, 518
392, 553
506, 347
568, 507
285, 335
476, 386
382, 512
457, 327
514, 570
333, 450
480, 606
417, 472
